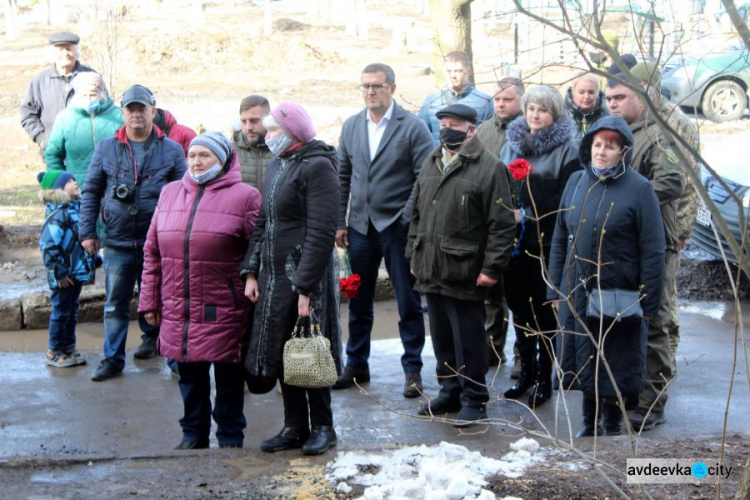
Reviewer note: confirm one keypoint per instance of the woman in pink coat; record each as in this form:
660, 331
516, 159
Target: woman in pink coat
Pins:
191, 289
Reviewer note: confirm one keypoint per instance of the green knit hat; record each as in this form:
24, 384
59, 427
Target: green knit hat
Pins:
57, 179
648, 72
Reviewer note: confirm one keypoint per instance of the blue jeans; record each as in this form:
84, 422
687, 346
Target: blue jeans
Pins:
365, 253
122, 270
195, 388
64, 318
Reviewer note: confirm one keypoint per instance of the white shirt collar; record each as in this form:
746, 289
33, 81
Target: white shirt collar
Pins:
386, 117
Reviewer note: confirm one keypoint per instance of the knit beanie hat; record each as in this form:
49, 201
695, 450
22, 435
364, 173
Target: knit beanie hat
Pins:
216, 142
54, 180
628, 59
294, 121
649, 73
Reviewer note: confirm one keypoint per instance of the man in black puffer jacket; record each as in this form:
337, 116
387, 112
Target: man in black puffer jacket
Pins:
125, 179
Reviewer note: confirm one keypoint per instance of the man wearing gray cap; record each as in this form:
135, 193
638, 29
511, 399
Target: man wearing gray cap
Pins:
49, 91
460, 239
124, 181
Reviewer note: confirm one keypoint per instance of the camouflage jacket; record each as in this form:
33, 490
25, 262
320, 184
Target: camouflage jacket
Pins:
655, 159
687, 204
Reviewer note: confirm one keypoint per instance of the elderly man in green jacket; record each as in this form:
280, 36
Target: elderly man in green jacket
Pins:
460, 239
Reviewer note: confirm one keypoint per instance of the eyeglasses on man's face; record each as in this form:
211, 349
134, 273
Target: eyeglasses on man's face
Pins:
366, 87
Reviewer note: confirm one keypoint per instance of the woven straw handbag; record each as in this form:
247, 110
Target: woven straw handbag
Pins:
308, 361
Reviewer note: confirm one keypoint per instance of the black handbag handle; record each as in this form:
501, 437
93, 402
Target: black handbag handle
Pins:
307, 325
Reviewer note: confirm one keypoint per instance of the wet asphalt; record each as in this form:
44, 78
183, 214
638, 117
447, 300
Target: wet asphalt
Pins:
59, 415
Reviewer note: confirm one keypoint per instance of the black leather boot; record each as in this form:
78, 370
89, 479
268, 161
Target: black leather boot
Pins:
289, 437
322, 437
590, 423
541, 392
525, 378
612, 419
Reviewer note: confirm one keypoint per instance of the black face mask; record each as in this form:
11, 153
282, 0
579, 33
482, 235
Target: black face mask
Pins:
452, 139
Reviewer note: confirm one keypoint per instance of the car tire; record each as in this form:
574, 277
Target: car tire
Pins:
724, 101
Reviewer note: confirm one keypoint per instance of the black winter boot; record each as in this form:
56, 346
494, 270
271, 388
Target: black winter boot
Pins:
612, 419
589, 419
525, 378
542, 390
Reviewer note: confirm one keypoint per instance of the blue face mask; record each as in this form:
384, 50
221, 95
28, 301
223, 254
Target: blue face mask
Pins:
93, 105
207, 176
278, 145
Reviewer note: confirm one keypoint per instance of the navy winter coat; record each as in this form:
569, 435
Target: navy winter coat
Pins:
113, 165
617, 217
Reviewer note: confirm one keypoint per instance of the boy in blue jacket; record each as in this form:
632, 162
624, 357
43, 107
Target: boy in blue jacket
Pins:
69, 267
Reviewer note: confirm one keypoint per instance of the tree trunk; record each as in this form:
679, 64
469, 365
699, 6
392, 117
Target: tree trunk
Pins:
737, 21
451, 30
11, 25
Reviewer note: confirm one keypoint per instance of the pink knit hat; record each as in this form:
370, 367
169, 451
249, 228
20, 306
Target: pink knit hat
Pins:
294, 121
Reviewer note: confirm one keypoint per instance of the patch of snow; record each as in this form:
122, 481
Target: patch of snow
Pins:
342, 487
444, 472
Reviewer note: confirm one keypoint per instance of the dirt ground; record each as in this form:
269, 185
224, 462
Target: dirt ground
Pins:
200, 70
227, 475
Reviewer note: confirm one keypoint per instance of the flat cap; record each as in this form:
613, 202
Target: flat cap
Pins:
64, 37
460, 111
139, 94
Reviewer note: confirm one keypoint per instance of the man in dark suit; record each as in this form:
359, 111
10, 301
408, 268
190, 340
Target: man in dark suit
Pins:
380, 153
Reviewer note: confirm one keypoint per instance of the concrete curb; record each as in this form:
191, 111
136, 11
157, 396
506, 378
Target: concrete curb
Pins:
32, 310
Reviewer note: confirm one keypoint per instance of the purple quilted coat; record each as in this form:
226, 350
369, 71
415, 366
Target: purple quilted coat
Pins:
197, 240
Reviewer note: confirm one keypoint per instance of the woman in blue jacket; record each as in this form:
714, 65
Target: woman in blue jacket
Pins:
608, 236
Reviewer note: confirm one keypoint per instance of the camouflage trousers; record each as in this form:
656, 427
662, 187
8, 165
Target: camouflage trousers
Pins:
659, 359
673, 322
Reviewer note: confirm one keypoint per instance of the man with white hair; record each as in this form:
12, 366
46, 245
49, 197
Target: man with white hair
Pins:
49, 91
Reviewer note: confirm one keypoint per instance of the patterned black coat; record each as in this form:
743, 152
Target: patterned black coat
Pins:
292, 252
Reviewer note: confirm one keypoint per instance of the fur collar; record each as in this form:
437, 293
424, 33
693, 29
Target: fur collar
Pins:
578, 114
523, 143
56, 196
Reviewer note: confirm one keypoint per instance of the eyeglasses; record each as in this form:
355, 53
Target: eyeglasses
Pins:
366, 87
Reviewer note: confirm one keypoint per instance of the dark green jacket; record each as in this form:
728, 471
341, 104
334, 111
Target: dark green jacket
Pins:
254, 160
458, 229
492, 133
